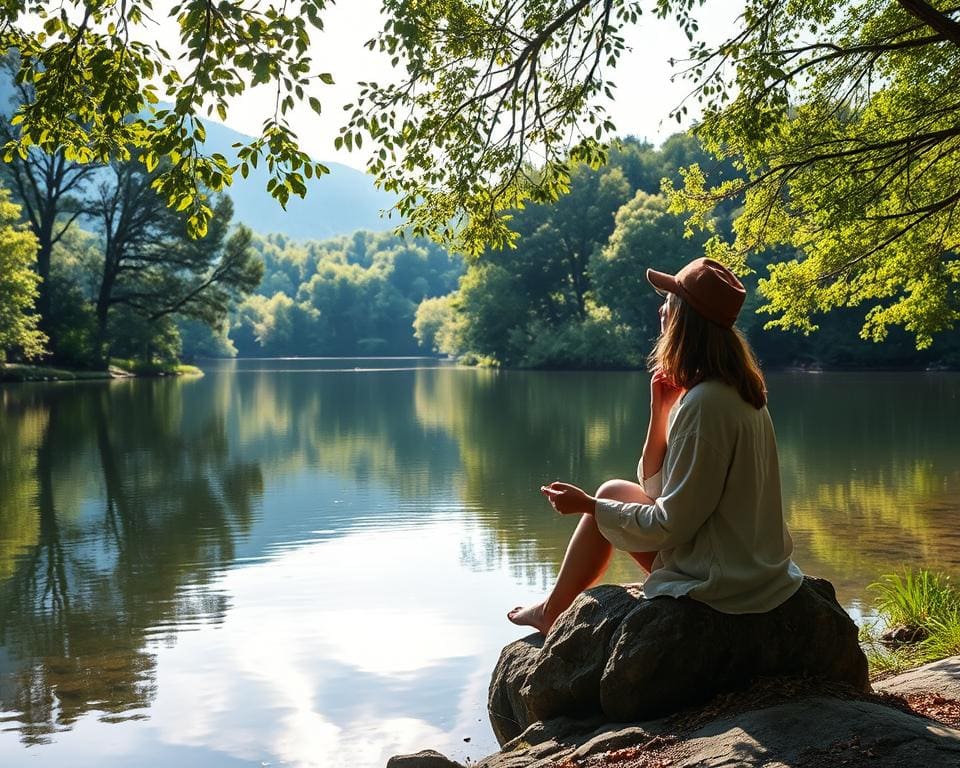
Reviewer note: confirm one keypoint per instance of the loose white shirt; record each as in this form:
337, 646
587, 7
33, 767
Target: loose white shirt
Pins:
717, 520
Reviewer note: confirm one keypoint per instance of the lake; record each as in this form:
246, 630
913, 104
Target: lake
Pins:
308, 562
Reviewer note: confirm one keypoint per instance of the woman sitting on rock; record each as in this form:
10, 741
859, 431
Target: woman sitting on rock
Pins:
706, 519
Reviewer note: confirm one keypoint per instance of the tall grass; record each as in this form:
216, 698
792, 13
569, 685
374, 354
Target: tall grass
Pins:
919, 600
915, 599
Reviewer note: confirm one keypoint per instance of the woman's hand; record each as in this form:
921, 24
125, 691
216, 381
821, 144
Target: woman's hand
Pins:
663, 393
568, 499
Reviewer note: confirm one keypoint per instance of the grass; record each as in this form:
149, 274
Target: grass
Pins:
923, 602
915, 599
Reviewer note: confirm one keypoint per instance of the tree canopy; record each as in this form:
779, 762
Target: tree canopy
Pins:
520, 306
844, 122
840, 116
354, 295
98, 72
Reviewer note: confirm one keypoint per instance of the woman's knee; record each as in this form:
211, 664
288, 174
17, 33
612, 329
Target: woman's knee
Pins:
622, 490
613, 489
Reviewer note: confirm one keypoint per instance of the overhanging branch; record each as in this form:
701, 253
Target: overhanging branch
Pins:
933, 18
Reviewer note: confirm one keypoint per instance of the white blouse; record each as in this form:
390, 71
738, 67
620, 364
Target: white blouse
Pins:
717, 520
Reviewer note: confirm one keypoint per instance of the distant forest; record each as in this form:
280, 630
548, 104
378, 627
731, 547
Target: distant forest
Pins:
122, 280
572, 294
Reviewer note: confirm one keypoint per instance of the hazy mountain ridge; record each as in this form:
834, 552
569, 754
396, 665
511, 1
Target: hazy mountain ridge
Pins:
338, 203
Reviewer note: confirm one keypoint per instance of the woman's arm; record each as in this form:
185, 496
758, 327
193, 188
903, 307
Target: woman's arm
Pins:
663, 394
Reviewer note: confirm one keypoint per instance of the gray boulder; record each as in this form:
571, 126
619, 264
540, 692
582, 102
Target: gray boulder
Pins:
811, 732
620, 656
940, 678
776, 723
820, 732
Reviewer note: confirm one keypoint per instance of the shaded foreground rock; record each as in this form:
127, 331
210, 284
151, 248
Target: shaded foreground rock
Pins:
538, 680
624, 658
773, 724
804, 719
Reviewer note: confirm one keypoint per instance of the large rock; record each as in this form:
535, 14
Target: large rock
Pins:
777, 722
813, 732
618, 655
820, 732
941, 678
565, 678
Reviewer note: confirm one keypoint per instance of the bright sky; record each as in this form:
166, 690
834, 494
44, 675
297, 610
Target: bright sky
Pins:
644, 96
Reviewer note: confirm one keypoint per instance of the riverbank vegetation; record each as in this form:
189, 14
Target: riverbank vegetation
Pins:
570, 294
918, 621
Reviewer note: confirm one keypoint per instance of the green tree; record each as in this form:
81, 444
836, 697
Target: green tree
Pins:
839, 115
98, 72
74, 273
558, 240
199, 340
438, 325
538, 309
18, 284
343, 296
495, 313
154, 270
646, 235
848, 139
276, 326
50, 190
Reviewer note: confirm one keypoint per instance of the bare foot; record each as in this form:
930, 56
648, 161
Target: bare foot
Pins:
534, 616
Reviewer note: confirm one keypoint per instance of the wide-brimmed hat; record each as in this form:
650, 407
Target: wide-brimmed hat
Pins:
707, 286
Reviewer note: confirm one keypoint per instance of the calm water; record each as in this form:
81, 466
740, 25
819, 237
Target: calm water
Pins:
307, 563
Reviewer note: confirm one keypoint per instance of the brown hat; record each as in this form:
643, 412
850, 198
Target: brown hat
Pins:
707, 286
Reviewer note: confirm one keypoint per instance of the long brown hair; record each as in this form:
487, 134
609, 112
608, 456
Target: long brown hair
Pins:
692, 349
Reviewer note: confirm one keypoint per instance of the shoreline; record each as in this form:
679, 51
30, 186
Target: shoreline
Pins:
20, 373
17, 373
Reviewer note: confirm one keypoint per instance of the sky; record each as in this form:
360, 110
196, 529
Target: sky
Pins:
643, 99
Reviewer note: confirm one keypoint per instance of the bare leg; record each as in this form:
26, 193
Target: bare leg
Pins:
584, 563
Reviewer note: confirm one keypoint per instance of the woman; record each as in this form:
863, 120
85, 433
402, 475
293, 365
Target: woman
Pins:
706, 518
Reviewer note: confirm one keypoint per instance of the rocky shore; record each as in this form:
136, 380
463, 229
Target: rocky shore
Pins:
624, 682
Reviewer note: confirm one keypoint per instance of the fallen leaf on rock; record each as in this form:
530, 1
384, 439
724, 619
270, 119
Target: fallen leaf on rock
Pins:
935, 707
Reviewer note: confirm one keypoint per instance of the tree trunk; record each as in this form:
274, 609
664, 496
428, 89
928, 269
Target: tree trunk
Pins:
44, 253
101, 344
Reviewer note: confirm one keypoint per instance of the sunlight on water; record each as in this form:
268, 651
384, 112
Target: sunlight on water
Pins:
307, 562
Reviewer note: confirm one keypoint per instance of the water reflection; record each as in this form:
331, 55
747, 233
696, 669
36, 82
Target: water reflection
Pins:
309, 562
871, 473
869, 463
115, 511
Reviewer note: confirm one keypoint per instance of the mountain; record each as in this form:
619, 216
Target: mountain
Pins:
338, 203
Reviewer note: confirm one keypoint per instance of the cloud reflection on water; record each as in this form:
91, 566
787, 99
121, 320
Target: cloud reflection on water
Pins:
374, 617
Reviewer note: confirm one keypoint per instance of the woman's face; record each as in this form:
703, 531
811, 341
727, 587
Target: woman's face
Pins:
664, 312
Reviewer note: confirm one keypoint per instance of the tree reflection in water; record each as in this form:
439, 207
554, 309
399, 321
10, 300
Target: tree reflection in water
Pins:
869, 463
92, 582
